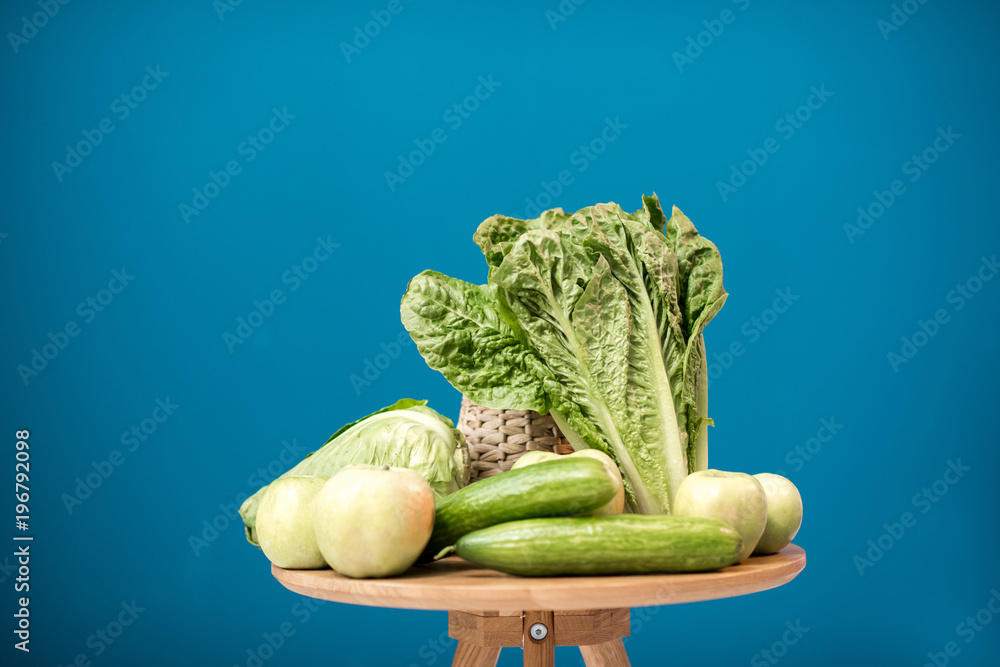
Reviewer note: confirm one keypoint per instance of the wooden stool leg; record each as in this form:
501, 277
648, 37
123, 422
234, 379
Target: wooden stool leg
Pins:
608, 654
470, 655
539, 652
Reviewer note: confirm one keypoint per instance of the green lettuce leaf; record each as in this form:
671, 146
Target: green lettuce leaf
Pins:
701, 297
497, 234
459, 331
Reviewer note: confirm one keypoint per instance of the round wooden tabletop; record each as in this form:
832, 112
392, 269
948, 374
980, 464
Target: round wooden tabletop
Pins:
455, 584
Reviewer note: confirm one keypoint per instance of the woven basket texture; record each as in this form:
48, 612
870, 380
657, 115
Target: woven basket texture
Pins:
498, 438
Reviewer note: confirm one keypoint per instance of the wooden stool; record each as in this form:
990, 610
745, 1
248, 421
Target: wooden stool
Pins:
489, 610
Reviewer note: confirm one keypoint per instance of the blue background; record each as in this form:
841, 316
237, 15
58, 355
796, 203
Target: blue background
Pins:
685, 126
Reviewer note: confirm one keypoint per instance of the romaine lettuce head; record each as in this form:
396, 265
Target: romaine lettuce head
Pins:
596, 317
407, 434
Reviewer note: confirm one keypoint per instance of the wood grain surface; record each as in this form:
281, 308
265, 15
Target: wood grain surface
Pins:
609, 654
470, 655
454, 584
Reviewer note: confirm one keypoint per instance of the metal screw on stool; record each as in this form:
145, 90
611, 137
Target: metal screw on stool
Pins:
538, 631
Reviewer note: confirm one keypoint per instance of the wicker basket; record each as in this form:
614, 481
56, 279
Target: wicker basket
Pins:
497, 438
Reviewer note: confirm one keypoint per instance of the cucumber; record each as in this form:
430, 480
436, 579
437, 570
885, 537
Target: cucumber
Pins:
552, 488
624, 544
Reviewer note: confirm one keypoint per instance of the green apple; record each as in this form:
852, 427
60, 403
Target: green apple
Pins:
532, 457
614, 506
733, 497
784, 513
617, 504
373, 521
285, 523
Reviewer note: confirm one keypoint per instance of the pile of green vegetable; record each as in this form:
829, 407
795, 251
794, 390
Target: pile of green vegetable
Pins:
595, 317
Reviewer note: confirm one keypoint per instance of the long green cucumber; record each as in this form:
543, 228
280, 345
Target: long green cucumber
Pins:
553, 488
623, 544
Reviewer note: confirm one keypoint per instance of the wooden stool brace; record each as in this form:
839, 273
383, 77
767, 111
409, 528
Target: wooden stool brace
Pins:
597, 632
